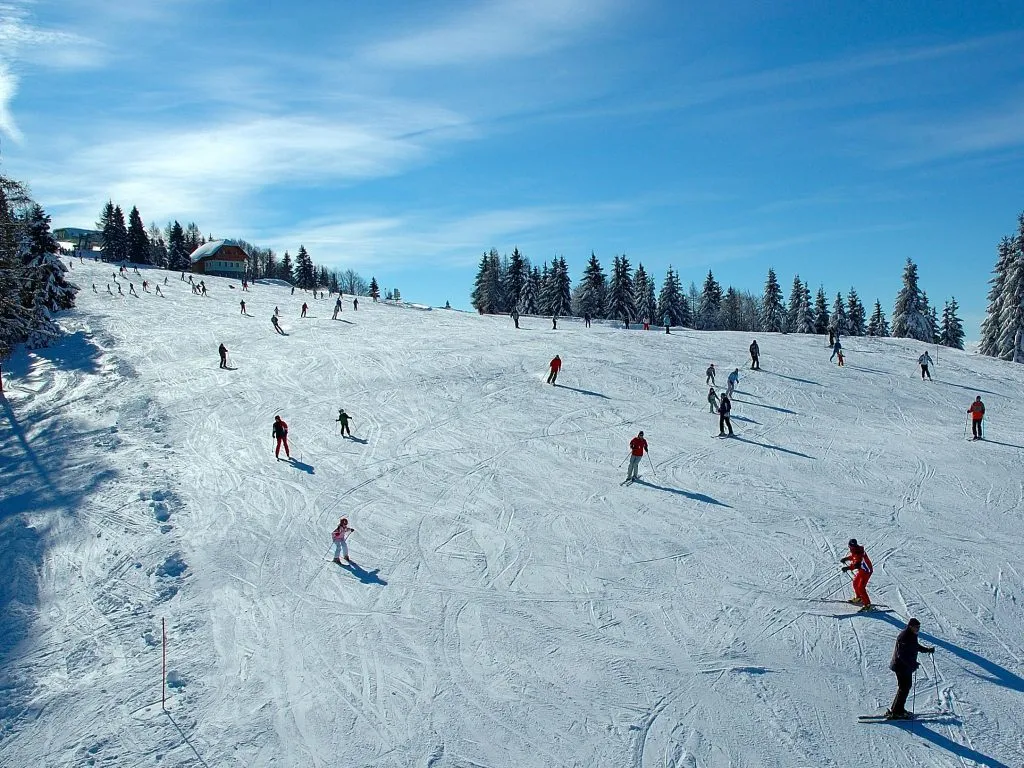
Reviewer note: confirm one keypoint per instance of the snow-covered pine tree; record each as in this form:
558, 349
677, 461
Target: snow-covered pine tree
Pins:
710, 308
105, 224
837, 321
286, 270
730, 311
514, 279
671, 302
177, 253
157, 246
592, 289
530, 298
643, 295
137, 240
305, 274
804, 313
931, 319
557, 291
796, 297
115, 233
990, 328
46, 271
773, 315
620, 291
374, 289
908, 318
952, 333
1011, 311
878, 325
855, 314
821, 316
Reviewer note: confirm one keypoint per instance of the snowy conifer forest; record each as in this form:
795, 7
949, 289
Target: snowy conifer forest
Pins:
507, 283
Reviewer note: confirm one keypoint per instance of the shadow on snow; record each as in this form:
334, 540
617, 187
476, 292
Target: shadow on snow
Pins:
582, 391
366, 577
680, 492
773, 447
769, 407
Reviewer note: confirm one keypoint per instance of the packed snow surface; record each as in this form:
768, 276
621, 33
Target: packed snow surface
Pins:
511, 604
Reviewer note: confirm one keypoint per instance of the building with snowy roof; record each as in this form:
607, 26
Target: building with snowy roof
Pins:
225, 258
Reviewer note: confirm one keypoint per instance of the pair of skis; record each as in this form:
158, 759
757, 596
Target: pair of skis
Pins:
919, 717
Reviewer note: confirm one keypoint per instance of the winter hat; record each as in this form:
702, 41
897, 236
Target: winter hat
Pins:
853, 543
913, 623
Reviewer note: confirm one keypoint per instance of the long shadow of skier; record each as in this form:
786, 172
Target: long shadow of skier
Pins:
792, 378
582, 391
360, 440
996, 442
680, 492
969, 389
366, 577
774, 447
769, 407
951, 746
301, 465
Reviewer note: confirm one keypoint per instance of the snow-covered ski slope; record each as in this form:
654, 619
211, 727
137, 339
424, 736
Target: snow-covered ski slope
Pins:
513, 604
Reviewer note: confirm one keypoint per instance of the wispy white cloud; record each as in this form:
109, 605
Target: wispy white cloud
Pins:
8, 89
214, 171
495, 30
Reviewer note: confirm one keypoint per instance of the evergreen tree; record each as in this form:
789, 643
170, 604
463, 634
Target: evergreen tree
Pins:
305, 273
40, 240
271, 268
481, 298
805, 315
177, 252
115, 233
105, 224
286, 270
515, 278
620, 291
671, 301
796, 298
46, 272
908, 317
333, 285
773, 315
991, 331
878, 326
544, 294
931, 319
710, 307
730, 312
643, 295
592, 290
855, 314
157, 247
952, 333
137, 240
561, 295
193, 237
837, 320
1011, 311
374, 289
531, 291
821, 317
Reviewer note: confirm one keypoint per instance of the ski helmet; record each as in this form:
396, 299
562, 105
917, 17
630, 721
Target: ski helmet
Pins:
853, 543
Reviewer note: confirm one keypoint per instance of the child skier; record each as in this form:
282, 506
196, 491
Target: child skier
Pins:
339, 536
242, 305
724, 415
280, 434
304, 308
836, 348
273, 319
859, 562
712, 400
711, 374
755, 354
841, 359
732, 381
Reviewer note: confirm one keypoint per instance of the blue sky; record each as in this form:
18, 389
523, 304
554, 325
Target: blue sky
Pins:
404, 139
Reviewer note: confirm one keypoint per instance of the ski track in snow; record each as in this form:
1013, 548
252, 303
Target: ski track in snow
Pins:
512, 604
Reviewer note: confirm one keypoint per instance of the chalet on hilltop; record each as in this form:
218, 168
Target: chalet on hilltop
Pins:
224, 258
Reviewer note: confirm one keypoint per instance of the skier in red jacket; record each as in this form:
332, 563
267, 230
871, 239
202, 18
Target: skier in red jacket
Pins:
637, 448
859, 562
280, 433
556, 366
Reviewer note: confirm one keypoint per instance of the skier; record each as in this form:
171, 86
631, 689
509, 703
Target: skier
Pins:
514, 314
732, 381
339, 536
245, 285
859, 562
724, 418
337, 308
977, 413
667, 322
223, 356
158, 292
355, 304
276, 311
556, 366
293, 290
831, 336
711, 374
242, 305
94, 288
344, 419
647, 323
304, 308
637, 448
836, 347
554, 322
904, 663
108, 290
273, 319
202, 285
841, 359
712, 400
145, 286
165, 279
280, 433
586, 319
183, 277
119, 291
755, 353
131, 290
924, 361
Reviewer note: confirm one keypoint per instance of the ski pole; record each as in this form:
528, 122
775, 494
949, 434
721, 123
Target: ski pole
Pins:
915, 692
965, 425
653, 470
935, 675
825, 582
624, 460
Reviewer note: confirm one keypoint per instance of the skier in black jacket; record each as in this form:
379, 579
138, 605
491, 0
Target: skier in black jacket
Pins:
904, 664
